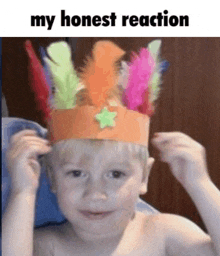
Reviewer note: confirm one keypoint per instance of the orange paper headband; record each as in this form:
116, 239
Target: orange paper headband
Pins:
100, 103
128, 126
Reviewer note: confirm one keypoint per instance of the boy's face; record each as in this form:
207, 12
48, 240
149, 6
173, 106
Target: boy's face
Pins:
97, 187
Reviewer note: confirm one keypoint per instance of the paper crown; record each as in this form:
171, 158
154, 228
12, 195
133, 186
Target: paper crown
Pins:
100, 102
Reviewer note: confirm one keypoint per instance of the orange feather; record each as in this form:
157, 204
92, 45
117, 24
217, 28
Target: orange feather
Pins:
100, 73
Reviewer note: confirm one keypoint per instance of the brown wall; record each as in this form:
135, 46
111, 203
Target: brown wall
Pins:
189, 102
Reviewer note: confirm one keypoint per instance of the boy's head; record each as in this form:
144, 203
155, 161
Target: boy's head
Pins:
98, 180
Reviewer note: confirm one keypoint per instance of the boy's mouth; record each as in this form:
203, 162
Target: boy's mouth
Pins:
95, 215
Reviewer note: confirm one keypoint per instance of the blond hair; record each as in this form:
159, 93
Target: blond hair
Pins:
136, 151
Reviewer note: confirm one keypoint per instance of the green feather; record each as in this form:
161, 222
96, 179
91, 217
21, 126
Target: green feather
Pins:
155, 83
64, 76
154, 48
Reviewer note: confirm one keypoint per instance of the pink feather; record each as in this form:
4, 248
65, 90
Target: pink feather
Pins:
38, 81
146, 108
140, 71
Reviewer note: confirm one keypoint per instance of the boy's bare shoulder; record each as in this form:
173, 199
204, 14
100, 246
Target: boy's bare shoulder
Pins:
182, 236
45, 239
173, 224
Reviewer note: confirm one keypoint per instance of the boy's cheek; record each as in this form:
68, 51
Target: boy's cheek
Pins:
128, 195
66, 201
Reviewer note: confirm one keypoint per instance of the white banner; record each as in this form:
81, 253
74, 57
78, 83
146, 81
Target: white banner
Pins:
134, 18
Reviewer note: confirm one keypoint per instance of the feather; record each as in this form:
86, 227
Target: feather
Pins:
140, 71
124, 74
38, 80
100, 72
155, 81
164, 65
160, 68
154, 49
155, 86
47, 74
146, 108
63, 74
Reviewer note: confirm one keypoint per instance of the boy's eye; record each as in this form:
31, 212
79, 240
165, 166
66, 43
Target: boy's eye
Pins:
76, 173
116, 174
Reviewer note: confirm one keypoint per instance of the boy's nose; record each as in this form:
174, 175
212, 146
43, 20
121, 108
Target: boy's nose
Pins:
95, 190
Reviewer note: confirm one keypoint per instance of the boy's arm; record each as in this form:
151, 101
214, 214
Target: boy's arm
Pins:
186, 158
24, 169
18, 225
206, 197
186, 238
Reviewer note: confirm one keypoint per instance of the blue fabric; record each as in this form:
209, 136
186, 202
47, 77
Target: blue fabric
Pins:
47, 209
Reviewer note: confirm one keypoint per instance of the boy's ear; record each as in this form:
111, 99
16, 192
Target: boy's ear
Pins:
144, 185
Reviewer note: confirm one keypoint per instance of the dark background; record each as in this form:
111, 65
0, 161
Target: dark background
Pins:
189, 102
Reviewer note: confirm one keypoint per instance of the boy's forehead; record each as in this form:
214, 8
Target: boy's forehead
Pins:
87, 149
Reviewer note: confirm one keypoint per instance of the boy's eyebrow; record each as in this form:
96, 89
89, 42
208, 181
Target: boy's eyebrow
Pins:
65, 163
125, 164
83, 159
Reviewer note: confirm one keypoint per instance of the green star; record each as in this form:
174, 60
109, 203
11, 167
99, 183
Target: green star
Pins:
106, 118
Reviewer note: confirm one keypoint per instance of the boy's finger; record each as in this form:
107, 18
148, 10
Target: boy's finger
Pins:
169, 145
27, 136
160, 136
27, 142
31, 139
174, 155
24, 148
33, 153
172, 139
18, 135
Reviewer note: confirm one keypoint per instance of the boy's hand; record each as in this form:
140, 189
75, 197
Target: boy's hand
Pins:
185, 156
23, 151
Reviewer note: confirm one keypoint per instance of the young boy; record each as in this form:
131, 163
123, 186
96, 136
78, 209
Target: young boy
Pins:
97, 182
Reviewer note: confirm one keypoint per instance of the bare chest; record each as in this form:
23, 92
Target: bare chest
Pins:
145, 250
131, 244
